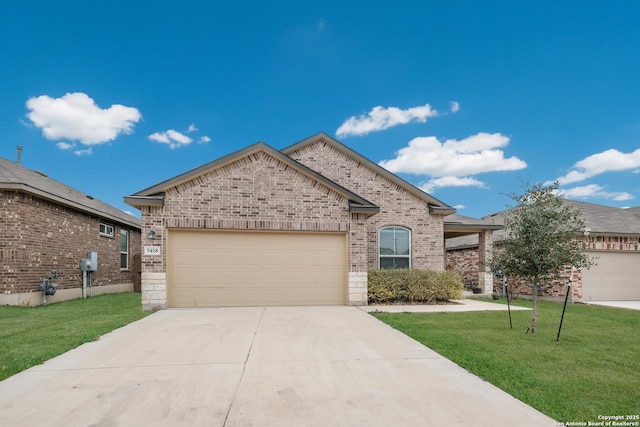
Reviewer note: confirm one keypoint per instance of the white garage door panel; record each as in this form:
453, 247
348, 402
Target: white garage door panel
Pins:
256, 268
615, 277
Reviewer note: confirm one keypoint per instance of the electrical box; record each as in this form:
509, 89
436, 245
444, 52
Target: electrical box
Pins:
90, 263
86, 264
93, 256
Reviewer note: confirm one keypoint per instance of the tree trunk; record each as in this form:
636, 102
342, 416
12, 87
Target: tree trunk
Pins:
534, 311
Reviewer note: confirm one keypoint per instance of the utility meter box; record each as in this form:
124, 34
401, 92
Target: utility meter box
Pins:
93, 256
86, 264
90, 263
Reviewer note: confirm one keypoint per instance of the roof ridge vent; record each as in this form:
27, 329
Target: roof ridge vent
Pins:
41, 173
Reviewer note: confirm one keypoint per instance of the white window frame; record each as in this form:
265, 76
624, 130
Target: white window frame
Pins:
108, 229
380, 256
124, 233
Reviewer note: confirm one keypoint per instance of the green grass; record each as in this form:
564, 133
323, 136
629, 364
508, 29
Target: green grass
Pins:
593, 370
31, 335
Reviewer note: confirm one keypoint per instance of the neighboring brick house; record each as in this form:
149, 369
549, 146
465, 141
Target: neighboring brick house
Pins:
612, 238
46, 225
298, 226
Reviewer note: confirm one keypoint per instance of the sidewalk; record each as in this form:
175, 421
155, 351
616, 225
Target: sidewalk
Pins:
455, 306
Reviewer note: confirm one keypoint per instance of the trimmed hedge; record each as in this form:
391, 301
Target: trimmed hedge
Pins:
413, 286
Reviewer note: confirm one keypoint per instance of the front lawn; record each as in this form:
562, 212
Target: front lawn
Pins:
594, 369
31, 335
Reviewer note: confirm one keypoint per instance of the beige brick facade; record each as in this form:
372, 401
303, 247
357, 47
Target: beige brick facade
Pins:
258, 190
397, 206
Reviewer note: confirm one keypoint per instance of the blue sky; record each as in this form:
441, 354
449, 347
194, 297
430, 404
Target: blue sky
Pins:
468, 100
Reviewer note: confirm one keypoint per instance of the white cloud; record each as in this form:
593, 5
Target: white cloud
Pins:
451, 181
204, 139
86, 152
65, 146
594, 191
473, 155
192, 128
171, 137
455, 106
75, 116
380, 118
608, 161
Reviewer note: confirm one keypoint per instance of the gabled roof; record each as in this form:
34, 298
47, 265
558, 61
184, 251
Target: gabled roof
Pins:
15, 177
154, 195
598, 219
435, 206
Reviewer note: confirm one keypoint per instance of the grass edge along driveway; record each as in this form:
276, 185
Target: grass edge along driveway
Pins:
592, 371
31, 335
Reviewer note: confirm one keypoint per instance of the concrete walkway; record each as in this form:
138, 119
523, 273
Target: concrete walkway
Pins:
630, 305
456, 306
256, 366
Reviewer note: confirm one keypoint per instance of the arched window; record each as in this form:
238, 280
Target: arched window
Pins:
395, 247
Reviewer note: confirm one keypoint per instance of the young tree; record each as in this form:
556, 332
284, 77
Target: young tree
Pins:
543, 236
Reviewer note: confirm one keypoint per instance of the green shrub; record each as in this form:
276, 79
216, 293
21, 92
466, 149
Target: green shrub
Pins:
413, 285
385, 286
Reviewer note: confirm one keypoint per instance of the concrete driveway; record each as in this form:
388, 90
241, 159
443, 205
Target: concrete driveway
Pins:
256, 366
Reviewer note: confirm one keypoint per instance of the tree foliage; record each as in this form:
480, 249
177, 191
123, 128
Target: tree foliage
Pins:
544, 236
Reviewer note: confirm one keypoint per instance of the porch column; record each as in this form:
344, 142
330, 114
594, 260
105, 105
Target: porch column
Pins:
485, 252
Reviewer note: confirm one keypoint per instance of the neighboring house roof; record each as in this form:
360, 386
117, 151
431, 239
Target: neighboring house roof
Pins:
15, 177
154, 195
436, 206
459, 225
598, 219
608, 219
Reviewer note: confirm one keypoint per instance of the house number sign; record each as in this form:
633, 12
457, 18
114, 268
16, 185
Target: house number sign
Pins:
152, 250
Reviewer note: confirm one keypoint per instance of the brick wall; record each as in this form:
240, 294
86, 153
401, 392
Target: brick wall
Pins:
397, 206
257, 192
614, 243
465, 262
37, 236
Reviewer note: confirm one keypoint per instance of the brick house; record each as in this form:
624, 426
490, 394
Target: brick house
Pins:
46, 225
612, 238
298, 226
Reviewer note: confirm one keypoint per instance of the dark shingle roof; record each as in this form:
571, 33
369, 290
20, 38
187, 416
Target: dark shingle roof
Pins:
599, 219
14, 176
607, 219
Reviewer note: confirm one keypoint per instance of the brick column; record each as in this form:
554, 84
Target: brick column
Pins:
358, 277
485, 253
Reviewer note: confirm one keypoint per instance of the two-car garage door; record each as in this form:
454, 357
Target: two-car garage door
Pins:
615, 277
236, 268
